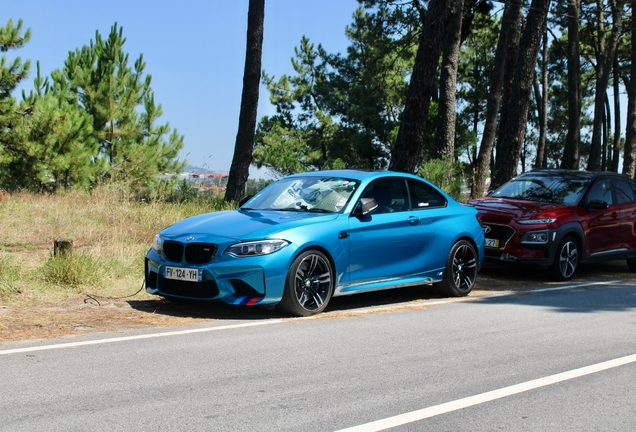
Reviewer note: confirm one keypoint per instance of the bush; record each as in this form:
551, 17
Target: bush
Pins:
447, 175
73, 269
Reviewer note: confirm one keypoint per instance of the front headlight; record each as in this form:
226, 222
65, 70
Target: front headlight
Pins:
538, 221
256, 248
157, 243
535, 237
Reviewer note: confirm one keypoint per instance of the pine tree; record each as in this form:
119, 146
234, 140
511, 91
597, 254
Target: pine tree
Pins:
11, 73
121, 103
60, 135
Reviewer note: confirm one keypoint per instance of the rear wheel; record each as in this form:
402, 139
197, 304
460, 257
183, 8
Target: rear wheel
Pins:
309, 285
566, 260
461, 270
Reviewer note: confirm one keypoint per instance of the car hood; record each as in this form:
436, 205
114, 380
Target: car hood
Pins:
242, 224
508, 209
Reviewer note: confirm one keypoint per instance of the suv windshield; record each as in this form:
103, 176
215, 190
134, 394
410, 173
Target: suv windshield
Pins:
310, 194
545, 188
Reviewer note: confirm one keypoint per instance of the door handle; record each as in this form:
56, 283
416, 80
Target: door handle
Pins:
413, 220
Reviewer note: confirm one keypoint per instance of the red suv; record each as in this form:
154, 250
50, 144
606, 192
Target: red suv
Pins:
560, 218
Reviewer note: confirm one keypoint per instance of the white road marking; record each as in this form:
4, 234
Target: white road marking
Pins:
137, 337
413, 416
577, 285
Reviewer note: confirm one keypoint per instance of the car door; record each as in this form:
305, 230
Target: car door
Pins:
625, 197
383, 244
603, 224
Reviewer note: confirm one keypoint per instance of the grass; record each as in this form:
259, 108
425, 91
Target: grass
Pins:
110, 232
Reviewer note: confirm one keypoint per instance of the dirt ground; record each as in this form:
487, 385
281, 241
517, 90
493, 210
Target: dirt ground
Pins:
93, 315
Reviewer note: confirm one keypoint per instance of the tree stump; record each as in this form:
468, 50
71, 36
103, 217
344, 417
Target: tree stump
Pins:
62, 247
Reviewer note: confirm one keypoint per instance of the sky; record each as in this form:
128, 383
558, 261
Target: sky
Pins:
194, 50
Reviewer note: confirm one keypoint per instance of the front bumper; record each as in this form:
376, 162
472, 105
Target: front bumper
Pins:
238, 281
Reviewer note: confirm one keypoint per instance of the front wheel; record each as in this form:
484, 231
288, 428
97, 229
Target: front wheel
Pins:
461, 270
566, 260
309, 285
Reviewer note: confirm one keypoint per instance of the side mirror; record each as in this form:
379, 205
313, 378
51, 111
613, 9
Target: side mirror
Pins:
365, 206
596, 204
244, 200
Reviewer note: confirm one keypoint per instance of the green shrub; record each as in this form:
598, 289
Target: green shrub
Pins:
73, 270
447, 175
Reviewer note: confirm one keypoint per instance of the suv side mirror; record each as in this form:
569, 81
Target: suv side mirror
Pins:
596, 204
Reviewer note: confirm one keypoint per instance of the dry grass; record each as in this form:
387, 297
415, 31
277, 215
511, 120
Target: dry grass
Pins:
110, 235
43, 296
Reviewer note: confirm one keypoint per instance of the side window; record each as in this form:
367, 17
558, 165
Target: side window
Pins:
602, 191
424, 196
390, 194
624, 191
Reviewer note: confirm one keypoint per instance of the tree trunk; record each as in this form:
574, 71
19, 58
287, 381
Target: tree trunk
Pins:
240, 168
629, 155
510, 24
571, 152
605, 60
616, 143
515, 127
405, 154
542, 106
445, 141
607, 121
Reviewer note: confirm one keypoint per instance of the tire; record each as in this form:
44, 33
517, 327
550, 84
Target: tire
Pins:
566, 260
309, 285
631, 264
461, 270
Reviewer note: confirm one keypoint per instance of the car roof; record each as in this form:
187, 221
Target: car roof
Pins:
573, 173
357, 174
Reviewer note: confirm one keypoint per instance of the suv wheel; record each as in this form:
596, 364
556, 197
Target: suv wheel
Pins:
566, 260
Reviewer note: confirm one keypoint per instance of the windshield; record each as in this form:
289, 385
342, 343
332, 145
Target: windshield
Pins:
311, 194
545, 188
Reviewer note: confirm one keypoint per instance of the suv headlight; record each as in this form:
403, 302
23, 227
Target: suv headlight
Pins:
157, 243
538, 221
535, 237
256, 248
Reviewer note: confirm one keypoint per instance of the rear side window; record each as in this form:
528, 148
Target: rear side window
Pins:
624, 191
424, 196
601, 191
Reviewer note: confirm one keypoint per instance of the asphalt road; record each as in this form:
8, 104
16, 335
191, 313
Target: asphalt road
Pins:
562, 358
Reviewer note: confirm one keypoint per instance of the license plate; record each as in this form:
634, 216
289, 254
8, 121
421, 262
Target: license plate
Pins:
493, 243
184, 274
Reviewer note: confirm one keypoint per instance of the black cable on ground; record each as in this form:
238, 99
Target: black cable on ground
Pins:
94, 297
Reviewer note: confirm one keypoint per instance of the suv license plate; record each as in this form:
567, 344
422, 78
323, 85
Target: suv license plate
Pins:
493, 243
184, 274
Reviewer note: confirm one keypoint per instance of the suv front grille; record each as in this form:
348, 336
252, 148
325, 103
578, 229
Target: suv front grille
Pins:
503, 233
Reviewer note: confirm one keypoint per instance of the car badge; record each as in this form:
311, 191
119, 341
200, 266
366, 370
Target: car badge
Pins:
487, 229
190, 238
